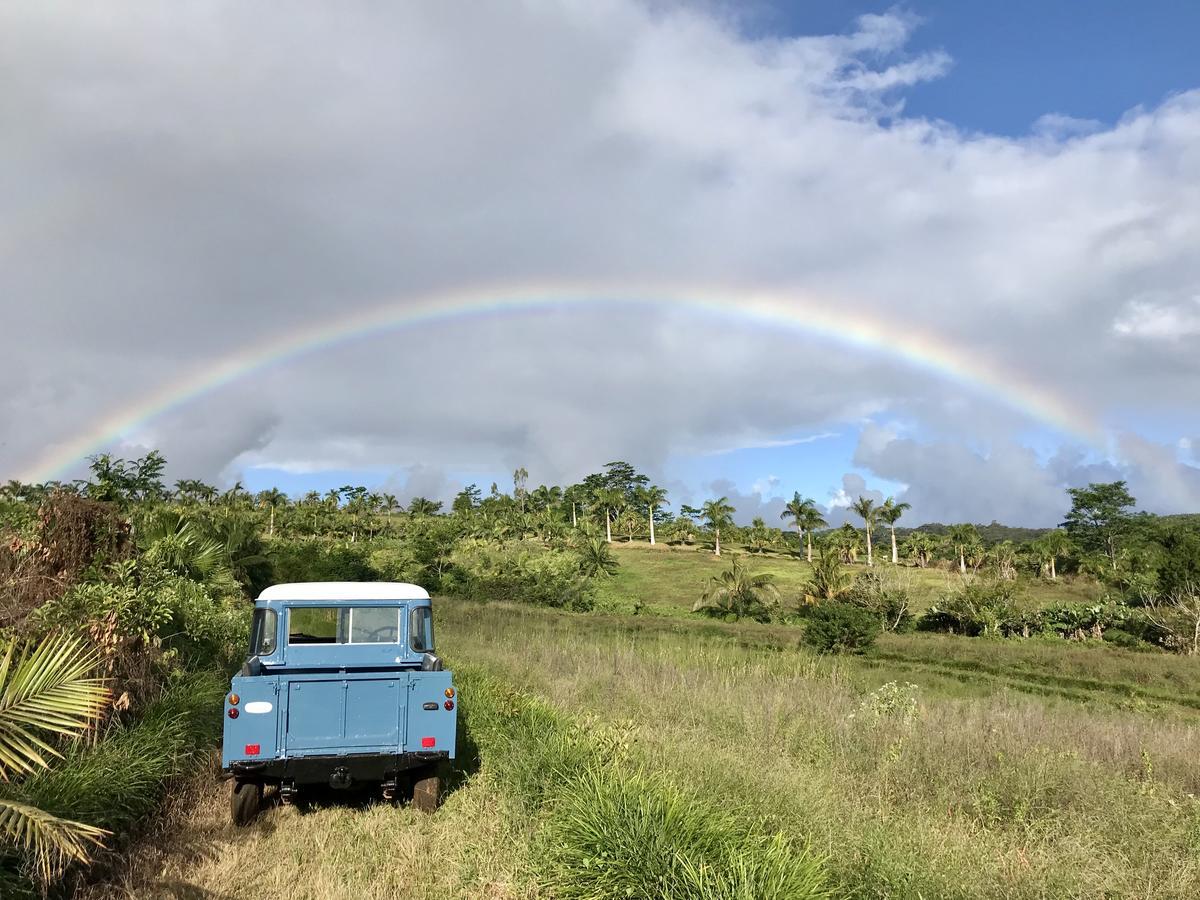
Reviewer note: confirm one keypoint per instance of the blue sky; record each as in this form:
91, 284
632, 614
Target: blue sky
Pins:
1017, 60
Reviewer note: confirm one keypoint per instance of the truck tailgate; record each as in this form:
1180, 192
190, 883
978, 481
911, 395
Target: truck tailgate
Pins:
338, 714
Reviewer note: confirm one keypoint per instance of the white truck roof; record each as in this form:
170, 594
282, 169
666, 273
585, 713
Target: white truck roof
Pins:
345, 590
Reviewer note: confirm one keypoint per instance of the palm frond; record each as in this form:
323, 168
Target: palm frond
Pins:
49, 842
47, 689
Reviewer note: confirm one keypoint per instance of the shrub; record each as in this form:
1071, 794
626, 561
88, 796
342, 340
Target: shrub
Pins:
978, 608
737, 594
840, 628
884, 596
829, 580
317, 560
519, 572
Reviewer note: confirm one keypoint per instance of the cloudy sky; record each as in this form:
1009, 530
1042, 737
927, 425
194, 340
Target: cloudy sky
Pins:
190, 188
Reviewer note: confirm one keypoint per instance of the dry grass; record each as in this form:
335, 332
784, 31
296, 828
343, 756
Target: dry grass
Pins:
476, 846
994, 795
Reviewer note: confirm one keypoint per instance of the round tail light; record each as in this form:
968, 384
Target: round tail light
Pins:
233, 713
449, 704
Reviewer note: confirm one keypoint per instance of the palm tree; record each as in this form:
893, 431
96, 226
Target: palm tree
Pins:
865, 508
1050, 546
794, 510
653, 497
921, 546
759, 538
718, 514
962, 538
610, 500
829, 580
807, 517
848, 542
889, 513
271, 499
576, 495
46, 688
596, 559
389, 504
737, 594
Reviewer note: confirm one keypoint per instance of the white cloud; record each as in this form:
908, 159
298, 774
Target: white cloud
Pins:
772, 444
207, 178
1159, 320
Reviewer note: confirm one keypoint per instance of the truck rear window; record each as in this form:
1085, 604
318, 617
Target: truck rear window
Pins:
344, 625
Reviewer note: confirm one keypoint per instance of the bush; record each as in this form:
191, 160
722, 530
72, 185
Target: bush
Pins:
979, 608
840, 628
317, 560
519, 572
884, 596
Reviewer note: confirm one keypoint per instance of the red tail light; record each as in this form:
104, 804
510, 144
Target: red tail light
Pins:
449, 704
233, 713
253, 749
428, 742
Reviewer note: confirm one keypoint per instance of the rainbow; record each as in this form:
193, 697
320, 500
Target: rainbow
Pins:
820, 317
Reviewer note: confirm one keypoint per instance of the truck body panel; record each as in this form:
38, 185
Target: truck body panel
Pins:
339, 688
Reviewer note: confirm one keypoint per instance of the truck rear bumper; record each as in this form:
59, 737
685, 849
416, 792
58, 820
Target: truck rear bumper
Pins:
365, 767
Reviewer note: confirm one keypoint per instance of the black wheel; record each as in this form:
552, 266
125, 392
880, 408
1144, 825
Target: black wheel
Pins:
426, 788
244, 801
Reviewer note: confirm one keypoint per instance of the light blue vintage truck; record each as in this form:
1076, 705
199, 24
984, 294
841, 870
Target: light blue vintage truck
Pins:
341, 687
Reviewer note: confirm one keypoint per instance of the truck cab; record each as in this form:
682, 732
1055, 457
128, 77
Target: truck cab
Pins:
341, 687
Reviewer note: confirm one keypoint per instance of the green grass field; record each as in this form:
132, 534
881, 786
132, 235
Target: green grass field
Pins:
613, 755
669, 579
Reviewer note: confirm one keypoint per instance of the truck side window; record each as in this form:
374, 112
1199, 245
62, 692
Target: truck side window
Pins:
262, 632
420, 629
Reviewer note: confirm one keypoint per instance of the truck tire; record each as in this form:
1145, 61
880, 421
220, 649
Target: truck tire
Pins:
244, 802
426, 788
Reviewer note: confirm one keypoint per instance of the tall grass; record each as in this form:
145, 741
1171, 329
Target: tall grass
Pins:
990, 794
118, 781
614, 827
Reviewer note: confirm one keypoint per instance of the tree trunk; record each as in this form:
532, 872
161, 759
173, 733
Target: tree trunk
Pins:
870, 560
809, 536
717, 546
652, 526
1053, 574
271, 529
574, 521
608, 526
895, 555
962, 562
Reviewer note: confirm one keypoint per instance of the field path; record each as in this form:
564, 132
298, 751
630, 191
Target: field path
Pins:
328, 850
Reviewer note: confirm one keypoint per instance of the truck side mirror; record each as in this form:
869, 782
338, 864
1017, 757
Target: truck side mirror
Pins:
431, 663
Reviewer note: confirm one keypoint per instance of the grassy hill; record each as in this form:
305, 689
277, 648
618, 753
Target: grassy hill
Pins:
667, 580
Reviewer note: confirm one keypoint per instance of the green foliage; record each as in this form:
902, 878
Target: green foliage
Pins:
1100, 517
118, 481
883, 594
312, 559
738, 594
48, 689
519, 572
829, 579
837, 627
596, 559
628, 834
609, 827
977, 608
